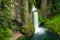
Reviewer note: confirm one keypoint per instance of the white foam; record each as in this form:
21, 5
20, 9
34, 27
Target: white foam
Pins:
37, 28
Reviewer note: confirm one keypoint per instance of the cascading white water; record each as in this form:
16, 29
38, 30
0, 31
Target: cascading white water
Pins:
38, 29
41, 33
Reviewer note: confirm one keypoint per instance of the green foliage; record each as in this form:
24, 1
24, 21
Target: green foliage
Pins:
54, 24
57, 4
28, 30
40, 18
31, 2
23, 11
5, 20
5, 34
6, 17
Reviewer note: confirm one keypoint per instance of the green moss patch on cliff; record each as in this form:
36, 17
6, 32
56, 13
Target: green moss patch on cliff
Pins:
5, 34
54, 24
6, 23
28, 30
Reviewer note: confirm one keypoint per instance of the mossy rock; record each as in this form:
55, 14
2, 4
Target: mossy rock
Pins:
28, 30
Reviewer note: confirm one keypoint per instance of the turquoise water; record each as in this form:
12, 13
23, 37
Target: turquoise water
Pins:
44, 36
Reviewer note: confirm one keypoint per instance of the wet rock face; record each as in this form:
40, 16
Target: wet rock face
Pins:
21, 12
49, 15
42, 24
17, 23
38, 4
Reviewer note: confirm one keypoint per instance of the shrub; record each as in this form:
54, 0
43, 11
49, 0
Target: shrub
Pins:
54, 24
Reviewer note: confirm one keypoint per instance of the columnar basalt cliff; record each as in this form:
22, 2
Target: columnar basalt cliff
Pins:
16, 16
23, 19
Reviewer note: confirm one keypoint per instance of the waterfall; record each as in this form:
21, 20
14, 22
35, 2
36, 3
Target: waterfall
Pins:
38, 29
41, 33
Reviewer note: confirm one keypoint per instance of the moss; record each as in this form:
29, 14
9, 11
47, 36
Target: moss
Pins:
28, 30
5, 34
5, 20
24, 11
54, 24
